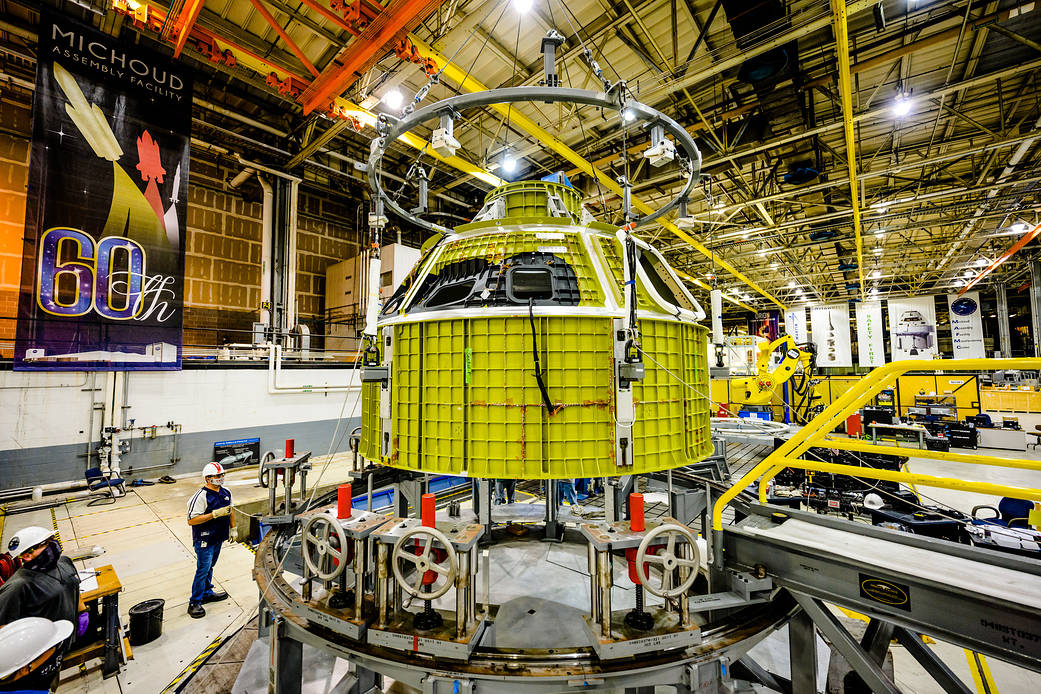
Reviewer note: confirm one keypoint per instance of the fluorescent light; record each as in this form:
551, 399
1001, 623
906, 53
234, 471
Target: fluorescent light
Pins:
522, 6
509, 163
393, 99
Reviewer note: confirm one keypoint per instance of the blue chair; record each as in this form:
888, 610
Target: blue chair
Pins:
1009, 513
105, 485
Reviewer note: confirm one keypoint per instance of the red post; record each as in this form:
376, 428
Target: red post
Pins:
290, 448
636, 512
428, 510
343, 501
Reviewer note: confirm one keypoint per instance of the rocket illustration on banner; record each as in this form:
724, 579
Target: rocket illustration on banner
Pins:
137, 215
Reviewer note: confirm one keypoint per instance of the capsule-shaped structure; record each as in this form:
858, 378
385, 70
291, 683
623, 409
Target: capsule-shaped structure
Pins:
511, 351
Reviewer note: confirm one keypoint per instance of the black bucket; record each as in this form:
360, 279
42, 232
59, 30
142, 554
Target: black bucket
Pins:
146, 621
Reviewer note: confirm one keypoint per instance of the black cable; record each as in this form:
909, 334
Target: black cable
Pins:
550, 407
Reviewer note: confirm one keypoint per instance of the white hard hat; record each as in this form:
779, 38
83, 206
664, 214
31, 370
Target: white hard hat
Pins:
27, 538
212, 469
24, 640
873, 501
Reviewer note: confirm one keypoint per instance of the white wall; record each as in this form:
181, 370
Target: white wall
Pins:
45, 418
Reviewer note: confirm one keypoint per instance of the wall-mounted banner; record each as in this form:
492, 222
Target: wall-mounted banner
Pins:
966, 325
912, 328
830, 327
795, 325
871, 348
766, 324
103, 260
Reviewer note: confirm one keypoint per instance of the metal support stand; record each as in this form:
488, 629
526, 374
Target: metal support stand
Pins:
802, 647
483, 505
284, 671
932, 664
554, 528
840, 639
1004, 334
1035, 304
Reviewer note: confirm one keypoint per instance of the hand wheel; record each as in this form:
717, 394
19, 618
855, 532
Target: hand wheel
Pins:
668, 534
262, 474
325, 547
423, 562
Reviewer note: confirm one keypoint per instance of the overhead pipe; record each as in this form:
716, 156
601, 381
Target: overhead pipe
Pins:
274, 371
267, 221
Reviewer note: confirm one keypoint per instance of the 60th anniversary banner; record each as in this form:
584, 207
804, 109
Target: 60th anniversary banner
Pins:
103, 265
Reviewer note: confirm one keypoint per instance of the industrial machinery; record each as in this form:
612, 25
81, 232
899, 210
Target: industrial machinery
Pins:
771, 373
536, 342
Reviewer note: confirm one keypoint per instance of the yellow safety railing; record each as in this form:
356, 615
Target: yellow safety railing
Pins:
816, 433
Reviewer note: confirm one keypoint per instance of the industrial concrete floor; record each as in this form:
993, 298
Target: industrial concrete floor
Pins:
146, 539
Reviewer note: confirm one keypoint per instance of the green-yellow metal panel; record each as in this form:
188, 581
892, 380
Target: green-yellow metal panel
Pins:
369, 445
529, 198
611, 252
491, 422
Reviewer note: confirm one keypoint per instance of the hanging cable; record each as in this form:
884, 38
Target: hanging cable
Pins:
551, 409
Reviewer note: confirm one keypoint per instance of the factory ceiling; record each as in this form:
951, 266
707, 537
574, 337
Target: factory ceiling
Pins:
912, 176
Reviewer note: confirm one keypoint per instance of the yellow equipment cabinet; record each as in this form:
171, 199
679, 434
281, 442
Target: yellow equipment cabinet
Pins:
505, 355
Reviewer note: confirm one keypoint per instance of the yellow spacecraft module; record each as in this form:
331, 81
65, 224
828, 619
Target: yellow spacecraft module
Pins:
515, 351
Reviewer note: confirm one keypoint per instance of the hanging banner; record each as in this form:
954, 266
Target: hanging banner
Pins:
912, 328
966, 325
871, 349
103, 259
766, 324
795, 325
830, 328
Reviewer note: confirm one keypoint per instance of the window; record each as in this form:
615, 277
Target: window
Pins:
450, 294
526, 283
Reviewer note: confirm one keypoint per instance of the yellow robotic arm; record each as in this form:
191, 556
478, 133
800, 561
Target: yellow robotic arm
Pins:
758, 389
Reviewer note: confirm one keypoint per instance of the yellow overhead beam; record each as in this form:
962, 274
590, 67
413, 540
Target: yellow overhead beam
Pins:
838, 9
469, 84
369, 118
694, 280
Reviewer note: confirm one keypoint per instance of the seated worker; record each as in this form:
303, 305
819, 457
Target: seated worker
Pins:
209, 514
46, 585
31, 651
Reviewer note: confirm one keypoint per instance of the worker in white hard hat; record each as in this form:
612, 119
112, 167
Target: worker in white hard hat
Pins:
46, 585
209, 514
31, 651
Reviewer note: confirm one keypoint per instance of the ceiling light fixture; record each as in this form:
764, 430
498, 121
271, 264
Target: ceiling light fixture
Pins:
627, 115
876, 274
509, 163
393, 99
522, 6
902, 105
